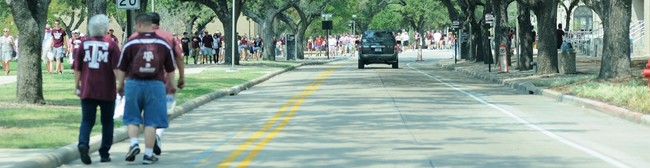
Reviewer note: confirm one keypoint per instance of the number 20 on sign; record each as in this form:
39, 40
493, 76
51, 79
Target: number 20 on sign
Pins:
128, 4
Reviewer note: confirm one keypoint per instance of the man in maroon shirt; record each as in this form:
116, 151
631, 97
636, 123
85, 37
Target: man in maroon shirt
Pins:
196, 47
58, 45
206, 49
148, 64
95, 67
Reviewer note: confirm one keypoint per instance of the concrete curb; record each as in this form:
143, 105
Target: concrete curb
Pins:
583, 102
68, 153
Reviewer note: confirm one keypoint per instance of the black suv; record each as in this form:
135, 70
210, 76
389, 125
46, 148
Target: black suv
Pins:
378, 47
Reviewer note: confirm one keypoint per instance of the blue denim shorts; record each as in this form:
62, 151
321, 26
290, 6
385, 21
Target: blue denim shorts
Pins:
145, 103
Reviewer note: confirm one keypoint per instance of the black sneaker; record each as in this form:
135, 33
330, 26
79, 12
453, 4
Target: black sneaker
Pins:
83, 153
149, 159
105, 159
133, 150
156, 146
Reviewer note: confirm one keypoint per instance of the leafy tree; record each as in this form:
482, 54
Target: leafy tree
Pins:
30, 17
191, 13
75, 11
118, 14
368, 9
568, 9
387, 20
307, 12
420, 13
224, 11
264, 12
616, 16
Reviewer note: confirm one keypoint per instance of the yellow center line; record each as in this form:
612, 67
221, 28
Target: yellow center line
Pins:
296, 100
249, 158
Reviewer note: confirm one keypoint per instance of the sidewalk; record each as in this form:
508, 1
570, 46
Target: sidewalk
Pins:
7, 79
523, 81
30, 158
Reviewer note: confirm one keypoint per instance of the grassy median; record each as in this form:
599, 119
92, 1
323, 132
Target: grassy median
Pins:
57, 123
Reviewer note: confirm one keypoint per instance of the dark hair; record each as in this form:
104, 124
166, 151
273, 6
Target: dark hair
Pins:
155, 18
184, 33
143, 18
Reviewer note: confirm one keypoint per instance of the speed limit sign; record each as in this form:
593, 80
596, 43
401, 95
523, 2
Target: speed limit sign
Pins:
128, 4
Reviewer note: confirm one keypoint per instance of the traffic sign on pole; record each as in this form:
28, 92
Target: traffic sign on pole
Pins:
128, 4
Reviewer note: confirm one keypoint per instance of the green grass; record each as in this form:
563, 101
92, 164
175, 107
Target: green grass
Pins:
632, 94
562, 80
57, 123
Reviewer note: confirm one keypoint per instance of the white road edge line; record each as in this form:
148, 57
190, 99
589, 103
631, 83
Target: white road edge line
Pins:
587, 150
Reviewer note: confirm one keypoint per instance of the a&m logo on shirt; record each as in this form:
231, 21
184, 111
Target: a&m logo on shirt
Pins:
57, 35
94, 54
147, 56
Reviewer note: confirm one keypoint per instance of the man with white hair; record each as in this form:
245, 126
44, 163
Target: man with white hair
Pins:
95, 68
47, 55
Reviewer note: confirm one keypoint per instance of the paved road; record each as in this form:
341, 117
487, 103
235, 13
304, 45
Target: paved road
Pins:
336, 115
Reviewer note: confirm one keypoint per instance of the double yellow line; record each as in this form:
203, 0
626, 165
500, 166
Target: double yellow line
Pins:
292, 105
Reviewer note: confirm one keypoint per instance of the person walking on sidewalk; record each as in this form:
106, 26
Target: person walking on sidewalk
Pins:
145, 62
58, 46
95, 85
6, 45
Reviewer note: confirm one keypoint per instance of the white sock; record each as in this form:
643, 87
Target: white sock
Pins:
160, 131
134, 141
148, 151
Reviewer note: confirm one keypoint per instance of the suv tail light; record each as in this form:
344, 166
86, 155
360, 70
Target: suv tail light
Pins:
397, 48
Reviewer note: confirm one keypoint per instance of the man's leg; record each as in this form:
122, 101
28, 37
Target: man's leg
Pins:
88, 116
106, 117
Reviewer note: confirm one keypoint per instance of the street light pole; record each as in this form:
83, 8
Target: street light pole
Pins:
232, 59
354, 24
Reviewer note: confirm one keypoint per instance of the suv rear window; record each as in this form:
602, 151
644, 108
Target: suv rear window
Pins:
379, 36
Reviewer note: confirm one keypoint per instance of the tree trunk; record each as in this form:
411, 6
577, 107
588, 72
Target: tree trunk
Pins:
300, 42
267, 39
227, 28
616, 43
95, 7
525, 38
189, 24
547, 46
31, 16
501, 29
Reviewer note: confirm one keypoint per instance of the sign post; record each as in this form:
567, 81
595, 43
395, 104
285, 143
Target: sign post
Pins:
129, 6
489, 18
454, 25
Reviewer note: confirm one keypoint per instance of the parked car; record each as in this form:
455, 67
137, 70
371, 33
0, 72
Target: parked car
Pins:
378, 47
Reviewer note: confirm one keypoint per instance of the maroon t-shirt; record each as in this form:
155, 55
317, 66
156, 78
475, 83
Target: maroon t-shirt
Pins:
207, 41
151, 47
57, 37
96, 59
195, 42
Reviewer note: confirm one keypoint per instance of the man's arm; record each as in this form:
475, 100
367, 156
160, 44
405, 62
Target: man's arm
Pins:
178, 51
119, 75
77, 82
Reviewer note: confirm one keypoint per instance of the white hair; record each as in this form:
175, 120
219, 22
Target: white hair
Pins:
97, 25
